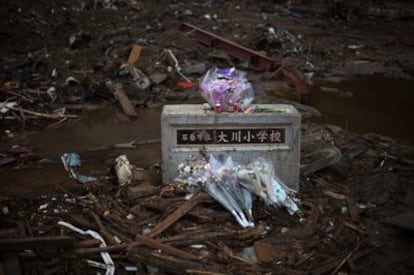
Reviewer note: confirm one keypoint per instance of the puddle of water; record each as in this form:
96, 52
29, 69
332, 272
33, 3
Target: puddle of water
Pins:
96, 129
378, 105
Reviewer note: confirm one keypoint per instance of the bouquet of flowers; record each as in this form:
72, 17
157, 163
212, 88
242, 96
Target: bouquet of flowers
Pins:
260, 178
216, 179
223, 88
233, 185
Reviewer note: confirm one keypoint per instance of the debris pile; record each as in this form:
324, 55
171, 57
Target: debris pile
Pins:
146, 227
62, 58
232, 185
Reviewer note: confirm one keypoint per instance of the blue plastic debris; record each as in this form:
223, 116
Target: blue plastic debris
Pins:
71, 161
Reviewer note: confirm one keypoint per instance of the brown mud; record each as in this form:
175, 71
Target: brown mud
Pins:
58, 56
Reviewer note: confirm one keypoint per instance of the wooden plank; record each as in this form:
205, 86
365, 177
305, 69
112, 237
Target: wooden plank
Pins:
171, 264
140, 239
171, 219
98, 250
196, 237
43, 115
123, 98
87, 243
17, 244
134, 54
108, 237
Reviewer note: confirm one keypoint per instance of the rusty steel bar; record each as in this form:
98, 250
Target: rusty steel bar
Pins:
294, 79
253, 57
234, 49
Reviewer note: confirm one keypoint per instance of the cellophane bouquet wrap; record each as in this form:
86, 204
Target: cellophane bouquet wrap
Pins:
226, 87
233, 185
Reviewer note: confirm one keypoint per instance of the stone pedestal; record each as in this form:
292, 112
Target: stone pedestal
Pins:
273, 135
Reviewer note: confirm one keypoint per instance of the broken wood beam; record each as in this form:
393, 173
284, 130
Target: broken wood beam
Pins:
42, 115
87, 243
134, 54
170, 263
17, 244
196, 237
181, 211
98, 250
132, 144
123, 99
193, 271
140, 239
109, 238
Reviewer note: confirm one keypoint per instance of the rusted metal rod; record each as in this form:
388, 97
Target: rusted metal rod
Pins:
254, 58
233, 48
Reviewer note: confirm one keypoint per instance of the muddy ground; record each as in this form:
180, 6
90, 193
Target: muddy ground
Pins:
57, 58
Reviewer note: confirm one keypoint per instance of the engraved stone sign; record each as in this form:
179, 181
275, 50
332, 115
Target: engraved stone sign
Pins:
273, 135
230, 136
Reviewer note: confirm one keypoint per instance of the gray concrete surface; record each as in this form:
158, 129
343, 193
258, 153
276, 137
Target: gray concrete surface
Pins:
273, 135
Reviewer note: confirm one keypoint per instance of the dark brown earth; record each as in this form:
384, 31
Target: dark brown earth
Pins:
356, 190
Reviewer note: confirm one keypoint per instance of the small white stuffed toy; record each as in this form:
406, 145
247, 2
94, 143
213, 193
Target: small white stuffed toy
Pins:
123, 170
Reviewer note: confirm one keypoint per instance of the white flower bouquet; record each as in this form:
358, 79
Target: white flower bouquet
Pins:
233, 185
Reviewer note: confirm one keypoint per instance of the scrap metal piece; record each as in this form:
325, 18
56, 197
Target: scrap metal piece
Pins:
293, 78
168, 55
231, 47
254, 58
141, 80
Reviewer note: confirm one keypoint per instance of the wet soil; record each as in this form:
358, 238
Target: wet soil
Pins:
367, 46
